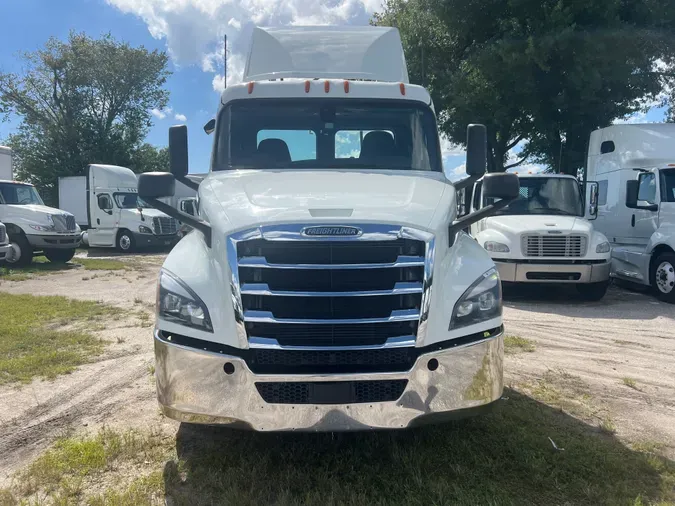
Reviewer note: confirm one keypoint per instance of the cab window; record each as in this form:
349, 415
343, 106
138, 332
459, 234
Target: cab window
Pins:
647, 188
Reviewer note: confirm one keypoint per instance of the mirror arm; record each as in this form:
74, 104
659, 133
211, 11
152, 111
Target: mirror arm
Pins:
189, 183
193, 221
475, 216
463, 183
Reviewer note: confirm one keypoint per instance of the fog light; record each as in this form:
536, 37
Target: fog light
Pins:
432, 364
228, 368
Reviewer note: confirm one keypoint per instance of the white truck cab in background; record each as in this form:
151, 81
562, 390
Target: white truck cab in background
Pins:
106, 205
31, 226
543, 237
327, 285
634, 166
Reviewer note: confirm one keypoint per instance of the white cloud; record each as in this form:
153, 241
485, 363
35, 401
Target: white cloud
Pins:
180, 117
161, 114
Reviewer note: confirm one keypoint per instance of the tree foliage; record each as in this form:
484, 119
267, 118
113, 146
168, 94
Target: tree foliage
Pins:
542, 73
84, 101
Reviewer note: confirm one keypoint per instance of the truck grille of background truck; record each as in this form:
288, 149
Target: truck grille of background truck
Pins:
165, 226
535, 245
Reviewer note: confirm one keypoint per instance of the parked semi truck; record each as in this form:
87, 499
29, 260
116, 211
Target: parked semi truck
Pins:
634, 166
326, 289
106, 205
543, 236
33, 228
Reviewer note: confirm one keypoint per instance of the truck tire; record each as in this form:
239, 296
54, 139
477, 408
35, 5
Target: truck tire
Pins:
662, 277
593, 291
22, 252
125, 242
59, 256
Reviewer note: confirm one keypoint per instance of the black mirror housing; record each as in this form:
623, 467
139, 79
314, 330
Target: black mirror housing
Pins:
156, 185
476, 150
501, 186
632, 189
178, 151
210, 126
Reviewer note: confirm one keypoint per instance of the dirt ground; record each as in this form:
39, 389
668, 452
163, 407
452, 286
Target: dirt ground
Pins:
618, 355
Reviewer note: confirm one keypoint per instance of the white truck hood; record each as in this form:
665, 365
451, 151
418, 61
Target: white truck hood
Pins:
30, 213
249, 197
517, 224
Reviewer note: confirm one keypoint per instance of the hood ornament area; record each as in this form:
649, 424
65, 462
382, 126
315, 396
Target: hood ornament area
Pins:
332, 231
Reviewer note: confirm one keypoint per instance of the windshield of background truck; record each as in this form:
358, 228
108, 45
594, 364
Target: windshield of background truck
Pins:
327, 134
130, 201
19, 194
540, 195
668, 185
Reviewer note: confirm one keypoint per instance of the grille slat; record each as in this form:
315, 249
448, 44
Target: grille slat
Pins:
554, 246
64, 222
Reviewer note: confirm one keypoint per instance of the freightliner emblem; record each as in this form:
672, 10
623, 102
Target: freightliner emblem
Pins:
332, 231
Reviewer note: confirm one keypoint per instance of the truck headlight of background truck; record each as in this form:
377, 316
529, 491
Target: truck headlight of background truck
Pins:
144, 230
496, 247
482, 301
177, 303
603, 247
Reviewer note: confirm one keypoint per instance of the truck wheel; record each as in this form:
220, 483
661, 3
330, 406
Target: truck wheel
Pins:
593, 291
125, 242
59, 256
663, 277
21, 253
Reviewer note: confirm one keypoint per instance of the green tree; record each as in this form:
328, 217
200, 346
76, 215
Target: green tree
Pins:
83, 101
541, 73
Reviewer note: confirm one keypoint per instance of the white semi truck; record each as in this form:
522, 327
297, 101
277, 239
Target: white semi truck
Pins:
326, 289
33, 228
543, 236
106, 205
634, 166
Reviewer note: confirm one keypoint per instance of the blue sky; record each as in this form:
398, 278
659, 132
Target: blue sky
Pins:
191, 31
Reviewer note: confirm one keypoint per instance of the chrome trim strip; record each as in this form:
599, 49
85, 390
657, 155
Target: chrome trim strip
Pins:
272, 344
369, 232
401, 288
401, 261
267, 317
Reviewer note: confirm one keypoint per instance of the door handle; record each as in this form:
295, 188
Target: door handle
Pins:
632, 221
98, 221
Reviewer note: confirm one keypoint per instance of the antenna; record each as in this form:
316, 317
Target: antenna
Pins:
225, 61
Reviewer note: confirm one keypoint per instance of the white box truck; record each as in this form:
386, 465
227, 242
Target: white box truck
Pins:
634, 166
543, 237
324, 291
105, 204
33, 228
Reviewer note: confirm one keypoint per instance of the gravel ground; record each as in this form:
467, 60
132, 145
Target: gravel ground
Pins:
592, 349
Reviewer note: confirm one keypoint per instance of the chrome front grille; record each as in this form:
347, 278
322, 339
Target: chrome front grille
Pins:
295, 290
64, 222
165, 225
3, 234
537, 245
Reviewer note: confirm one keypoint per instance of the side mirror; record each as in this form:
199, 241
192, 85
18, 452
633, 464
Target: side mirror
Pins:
156, 185
593, 189
501, 186
210, 126
178, 151
476, 150
632, 189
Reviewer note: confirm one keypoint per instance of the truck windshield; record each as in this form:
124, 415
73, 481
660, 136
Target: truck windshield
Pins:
546, 195
19, 194
130, 201
327, 134
668, 185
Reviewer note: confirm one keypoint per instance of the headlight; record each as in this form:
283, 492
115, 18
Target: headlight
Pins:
43, 228
177, 303
496, 247
144, 230
603, 247
482, 301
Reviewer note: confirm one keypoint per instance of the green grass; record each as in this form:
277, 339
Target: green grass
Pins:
504, 457
516, 344
41, 266
33, 342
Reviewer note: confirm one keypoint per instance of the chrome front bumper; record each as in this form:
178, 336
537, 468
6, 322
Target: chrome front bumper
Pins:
552, 273
193, 387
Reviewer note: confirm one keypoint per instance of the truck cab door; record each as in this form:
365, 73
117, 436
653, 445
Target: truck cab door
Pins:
103, 221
